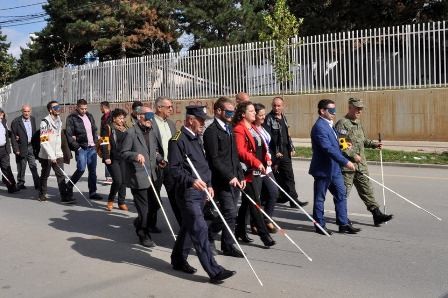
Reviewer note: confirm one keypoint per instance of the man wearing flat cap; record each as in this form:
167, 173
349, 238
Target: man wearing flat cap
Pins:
191, 196
350, 128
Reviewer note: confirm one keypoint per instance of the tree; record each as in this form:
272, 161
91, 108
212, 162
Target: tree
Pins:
221, 22
281, 25
7, 62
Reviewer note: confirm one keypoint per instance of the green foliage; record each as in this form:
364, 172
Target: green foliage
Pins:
7, 62
391, 156
281, 26
221, 22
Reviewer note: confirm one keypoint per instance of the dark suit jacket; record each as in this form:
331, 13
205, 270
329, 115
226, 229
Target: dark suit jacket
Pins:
18, 130
222, 155
327, 157
134, 143
172, 126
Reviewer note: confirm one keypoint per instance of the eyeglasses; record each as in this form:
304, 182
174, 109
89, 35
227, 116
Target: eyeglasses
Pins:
168, 107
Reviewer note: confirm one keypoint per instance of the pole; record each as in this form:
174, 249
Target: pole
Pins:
400, 196
160, 202
281, 231
223, 220
300, 207
66, 176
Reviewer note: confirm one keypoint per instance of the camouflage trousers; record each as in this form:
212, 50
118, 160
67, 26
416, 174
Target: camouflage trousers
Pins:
362, 185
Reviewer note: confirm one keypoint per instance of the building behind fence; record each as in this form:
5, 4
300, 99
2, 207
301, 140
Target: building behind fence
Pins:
410, 56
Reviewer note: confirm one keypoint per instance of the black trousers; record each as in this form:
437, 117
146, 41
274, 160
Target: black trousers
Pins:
228, 200
47, 165
253, 189
285, 178
115, 170
163, 178
193, 232
145, 202
21, 162
5, 166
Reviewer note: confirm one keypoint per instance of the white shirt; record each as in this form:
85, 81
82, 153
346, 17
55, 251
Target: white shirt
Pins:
330, 122
165, 134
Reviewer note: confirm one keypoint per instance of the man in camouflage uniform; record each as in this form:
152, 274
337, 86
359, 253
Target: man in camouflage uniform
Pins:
351, 128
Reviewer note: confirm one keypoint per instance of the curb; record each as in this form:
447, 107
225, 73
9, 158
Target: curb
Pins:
393, 164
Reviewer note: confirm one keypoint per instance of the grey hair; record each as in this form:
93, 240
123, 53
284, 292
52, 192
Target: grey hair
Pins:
159, 100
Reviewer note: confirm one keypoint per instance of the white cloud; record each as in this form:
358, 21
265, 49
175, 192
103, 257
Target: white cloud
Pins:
17, 40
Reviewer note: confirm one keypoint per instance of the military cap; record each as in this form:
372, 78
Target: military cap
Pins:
198, 111
356, 102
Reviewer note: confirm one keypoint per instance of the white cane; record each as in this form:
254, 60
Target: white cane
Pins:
66, 176
223, 220
400, 196
160, 202
382, 174
303, 210
6, 178
281, 231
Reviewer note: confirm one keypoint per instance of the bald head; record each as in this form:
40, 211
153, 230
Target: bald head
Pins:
26, 111
242, 97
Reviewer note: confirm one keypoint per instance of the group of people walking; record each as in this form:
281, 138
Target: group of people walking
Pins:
242, 154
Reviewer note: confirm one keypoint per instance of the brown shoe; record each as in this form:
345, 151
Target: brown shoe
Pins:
271, 228
110, 206
123, 207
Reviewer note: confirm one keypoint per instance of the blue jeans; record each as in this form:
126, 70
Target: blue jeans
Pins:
86, 158
335, 185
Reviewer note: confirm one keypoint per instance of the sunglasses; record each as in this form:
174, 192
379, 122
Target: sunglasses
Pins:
229, 114
332, 111
149, 116
56, 107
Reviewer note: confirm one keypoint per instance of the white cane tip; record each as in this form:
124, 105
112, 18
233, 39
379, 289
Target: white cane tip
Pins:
310, 259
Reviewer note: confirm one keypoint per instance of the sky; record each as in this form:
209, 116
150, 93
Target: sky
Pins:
18, 36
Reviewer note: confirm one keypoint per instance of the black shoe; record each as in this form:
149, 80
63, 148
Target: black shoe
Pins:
145, 239
13, 189
21, 186
243, 237
301, 204
234, 252
218, 278
96, 197
267, 240
154, 230
42, 198
348, 229
68, 201
379, 217
318, 231
185, 267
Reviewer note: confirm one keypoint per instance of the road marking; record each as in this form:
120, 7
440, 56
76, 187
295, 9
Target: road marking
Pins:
354, 214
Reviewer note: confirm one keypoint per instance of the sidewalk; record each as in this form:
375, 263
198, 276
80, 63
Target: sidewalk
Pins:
410, 146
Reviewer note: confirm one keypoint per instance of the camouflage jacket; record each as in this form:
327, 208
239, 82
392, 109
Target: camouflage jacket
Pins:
353, 131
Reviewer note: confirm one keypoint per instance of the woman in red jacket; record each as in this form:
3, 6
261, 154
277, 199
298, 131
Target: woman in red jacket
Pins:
252, 153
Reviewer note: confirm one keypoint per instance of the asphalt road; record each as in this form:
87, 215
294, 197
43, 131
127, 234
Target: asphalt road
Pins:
53, 250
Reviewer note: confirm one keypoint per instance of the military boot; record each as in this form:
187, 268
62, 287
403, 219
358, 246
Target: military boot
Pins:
379, 217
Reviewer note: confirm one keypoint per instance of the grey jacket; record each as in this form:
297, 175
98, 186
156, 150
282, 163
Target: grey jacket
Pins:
135, 176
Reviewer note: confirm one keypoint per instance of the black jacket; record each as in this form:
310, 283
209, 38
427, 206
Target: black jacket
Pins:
8, 142
273, 126
75, 127
18, 131
222, 155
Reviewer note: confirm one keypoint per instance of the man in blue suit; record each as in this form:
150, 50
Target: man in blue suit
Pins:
326, 166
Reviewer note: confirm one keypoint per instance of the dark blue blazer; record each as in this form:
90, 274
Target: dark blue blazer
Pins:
327, 158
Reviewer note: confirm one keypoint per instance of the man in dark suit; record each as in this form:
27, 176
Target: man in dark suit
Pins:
22, 130
164, 130
5, 150
191, 196
139, 149
227, 174
326, 166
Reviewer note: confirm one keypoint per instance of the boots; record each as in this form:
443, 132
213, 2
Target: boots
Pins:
379, 217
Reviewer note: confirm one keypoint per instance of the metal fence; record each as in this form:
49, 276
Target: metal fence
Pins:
409, 56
